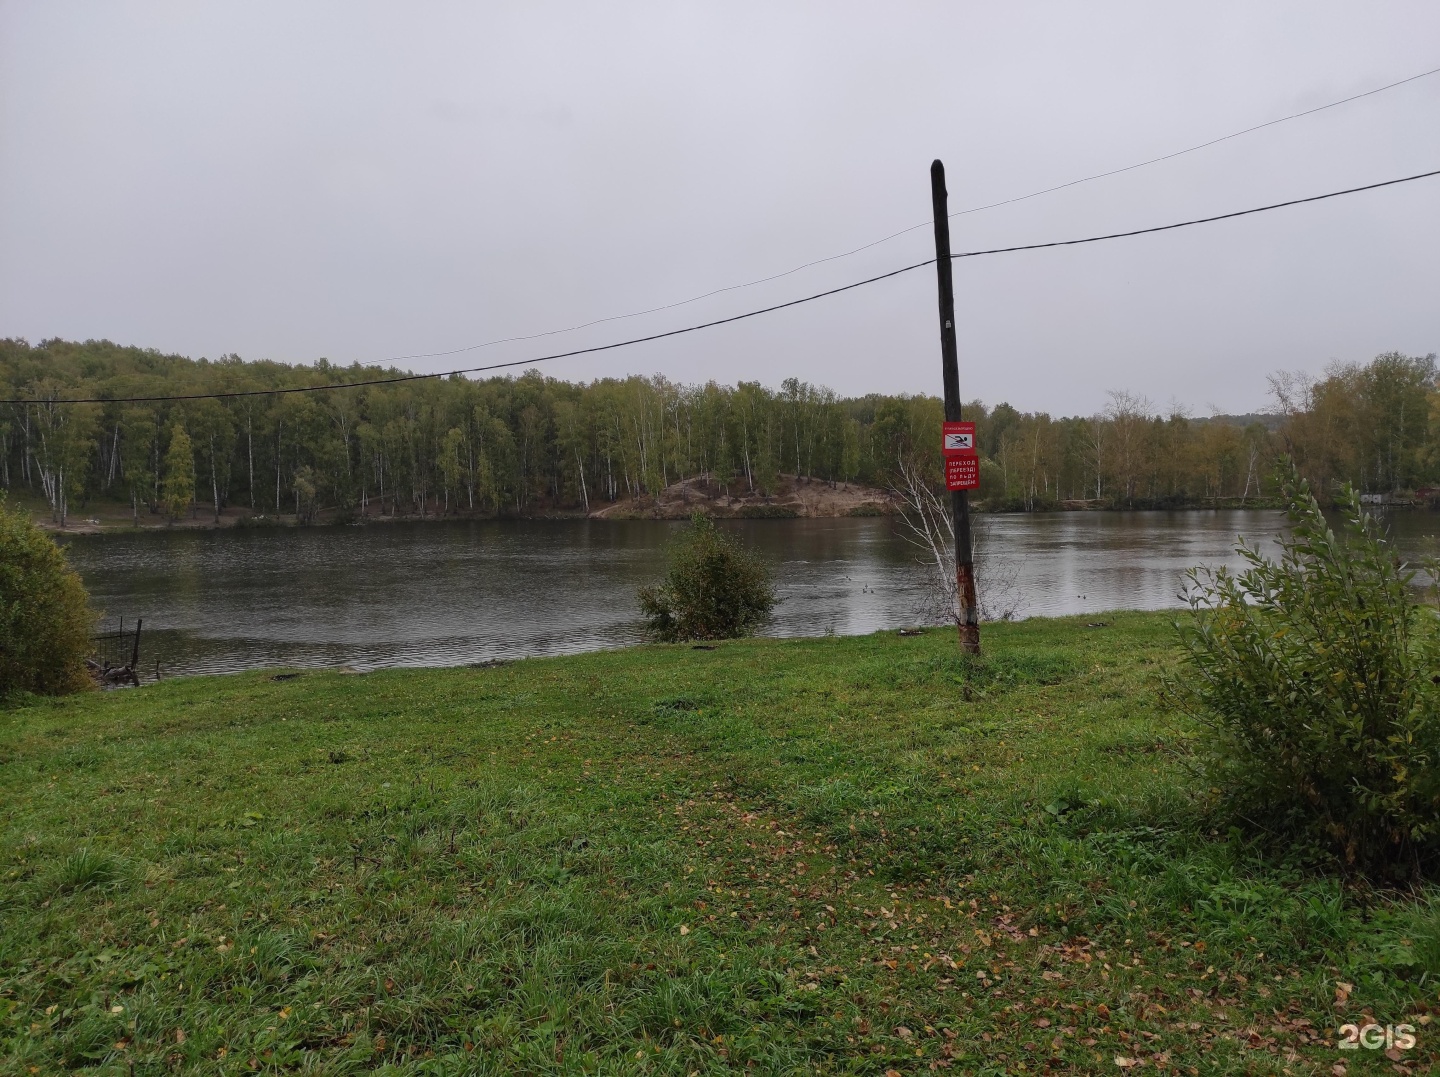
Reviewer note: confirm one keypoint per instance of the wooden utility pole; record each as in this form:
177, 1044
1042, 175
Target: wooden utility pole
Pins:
967, 615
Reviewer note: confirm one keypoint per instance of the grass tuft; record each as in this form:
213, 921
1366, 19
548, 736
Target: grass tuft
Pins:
88, 869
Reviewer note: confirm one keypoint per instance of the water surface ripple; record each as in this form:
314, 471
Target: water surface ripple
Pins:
450, 593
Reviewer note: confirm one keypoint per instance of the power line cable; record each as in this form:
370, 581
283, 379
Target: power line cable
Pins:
1191, 149
479, 369
733, 317
1198, 220
912, 228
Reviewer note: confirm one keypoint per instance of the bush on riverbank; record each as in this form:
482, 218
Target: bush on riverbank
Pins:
715, 588
1315, 675
45, 619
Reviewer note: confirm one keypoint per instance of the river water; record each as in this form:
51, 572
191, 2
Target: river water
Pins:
451, 593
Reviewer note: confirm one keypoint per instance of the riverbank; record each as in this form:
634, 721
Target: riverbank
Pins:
792, 498
852, 855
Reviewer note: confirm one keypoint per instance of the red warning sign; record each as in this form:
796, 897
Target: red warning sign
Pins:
958, 439
962, 472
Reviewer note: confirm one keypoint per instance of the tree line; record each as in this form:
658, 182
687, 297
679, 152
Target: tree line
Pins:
531, 445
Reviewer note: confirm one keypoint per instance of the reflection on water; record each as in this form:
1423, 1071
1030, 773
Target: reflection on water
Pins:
439, 594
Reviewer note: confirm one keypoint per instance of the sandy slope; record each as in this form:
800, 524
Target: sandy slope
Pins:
793, 497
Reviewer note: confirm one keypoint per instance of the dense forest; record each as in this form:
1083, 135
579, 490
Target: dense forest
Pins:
532, 445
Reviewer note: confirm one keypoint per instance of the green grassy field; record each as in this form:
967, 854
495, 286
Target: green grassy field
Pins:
848, 855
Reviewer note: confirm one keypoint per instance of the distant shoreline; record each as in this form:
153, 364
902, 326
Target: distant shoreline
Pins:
109, 520
792, 498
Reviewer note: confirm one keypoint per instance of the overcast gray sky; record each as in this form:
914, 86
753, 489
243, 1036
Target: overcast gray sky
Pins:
362, 180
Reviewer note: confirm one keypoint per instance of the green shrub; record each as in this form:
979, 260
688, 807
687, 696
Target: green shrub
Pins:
714, 589
45, 621
1315, 677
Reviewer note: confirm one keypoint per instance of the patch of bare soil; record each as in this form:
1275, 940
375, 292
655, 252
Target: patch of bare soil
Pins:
793, 496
